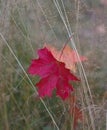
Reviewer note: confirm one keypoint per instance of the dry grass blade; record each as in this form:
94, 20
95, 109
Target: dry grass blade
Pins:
33, 87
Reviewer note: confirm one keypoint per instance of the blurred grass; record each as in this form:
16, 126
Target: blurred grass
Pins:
28, 26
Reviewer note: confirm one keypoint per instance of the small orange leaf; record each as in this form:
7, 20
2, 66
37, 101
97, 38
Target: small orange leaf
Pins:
66, 55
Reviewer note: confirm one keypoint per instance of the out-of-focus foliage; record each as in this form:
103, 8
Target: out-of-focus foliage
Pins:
27, 25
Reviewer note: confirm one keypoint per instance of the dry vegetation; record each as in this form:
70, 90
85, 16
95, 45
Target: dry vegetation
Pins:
25, 26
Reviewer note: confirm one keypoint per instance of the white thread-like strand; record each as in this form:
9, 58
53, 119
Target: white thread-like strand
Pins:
80, 63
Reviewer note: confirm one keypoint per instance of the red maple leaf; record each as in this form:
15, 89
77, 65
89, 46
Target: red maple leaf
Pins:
77, 115
75, 111
53, 74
